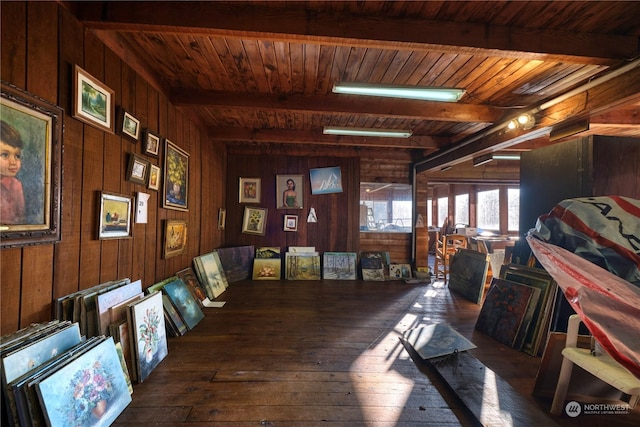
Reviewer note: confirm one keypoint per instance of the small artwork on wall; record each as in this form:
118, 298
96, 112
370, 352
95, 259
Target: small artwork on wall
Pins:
289, 191
249, 190
291, 223
129, 125
326, 180
151, 143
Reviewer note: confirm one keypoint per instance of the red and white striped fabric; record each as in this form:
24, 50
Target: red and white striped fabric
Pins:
591, 247
603, 230
608, 305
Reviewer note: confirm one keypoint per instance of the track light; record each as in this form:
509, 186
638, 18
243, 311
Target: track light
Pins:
523, 121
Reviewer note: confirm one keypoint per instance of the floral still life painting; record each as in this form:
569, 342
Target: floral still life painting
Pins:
176, 178
89, 391
150, 334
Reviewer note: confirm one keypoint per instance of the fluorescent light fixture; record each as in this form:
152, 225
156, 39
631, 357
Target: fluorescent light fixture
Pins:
397, 91
506, 156
482, 159
388, 133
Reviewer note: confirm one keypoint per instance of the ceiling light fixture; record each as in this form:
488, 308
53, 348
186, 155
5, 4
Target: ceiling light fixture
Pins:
387, 133
445, 168
482, 160
397, 91
523, 121
506, 157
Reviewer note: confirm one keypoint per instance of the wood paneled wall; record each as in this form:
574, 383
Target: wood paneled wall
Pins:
337, 228
41, 42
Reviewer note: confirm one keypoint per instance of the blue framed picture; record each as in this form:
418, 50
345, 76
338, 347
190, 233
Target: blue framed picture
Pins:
326, 180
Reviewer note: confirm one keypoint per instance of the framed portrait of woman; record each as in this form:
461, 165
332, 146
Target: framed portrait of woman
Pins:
289, 191
30, 168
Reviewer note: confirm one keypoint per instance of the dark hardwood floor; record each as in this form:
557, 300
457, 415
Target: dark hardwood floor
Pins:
324, 353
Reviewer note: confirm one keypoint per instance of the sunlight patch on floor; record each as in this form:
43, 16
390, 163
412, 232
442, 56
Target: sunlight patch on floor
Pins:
491, 401
365, 384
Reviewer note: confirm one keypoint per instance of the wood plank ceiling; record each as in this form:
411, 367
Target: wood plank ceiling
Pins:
259, 72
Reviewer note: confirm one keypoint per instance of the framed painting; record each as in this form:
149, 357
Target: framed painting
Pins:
151, 143
222, 218
115, 216
129, 125
267, 269
93, 101
326, 180
249, 190
148, 336
30, 207
254, 221
175, 238
90, 389
154, 177
176, 177
138, 169
339, 266
289, 191
291, 223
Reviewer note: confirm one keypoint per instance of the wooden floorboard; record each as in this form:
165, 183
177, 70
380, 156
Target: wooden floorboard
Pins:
322, 353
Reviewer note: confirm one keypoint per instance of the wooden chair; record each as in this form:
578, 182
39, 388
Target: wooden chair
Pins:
445, 247
602, 367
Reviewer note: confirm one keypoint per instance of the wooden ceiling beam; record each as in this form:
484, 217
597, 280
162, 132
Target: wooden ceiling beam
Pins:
231, 135
225, 19
341, 105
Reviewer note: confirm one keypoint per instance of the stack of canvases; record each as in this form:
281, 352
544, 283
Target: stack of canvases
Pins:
52, 376
518, 308
179, 302
375, 265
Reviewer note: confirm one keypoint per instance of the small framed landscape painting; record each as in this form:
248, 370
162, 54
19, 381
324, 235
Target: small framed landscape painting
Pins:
93, 101
129, 125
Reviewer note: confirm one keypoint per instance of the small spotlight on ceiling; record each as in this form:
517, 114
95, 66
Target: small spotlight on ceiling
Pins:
523, 121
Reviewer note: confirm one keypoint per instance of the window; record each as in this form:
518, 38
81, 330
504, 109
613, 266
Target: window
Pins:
462, 210
489, 210
429, 212
389, 207
513, 196
443, 210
